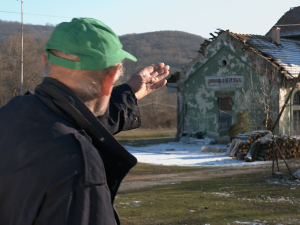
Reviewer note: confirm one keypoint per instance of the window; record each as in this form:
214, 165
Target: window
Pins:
296, 122
296, 99
224, 62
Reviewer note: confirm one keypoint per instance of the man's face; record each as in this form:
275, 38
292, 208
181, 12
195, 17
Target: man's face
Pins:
106, 88
120, 73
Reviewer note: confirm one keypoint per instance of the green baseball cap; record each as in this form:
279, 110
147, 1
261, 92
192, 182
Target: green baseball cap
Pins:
93, 42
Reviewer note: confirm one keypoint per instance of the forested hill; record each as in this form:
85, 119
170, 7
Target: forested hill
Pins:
171, 47
9, 28
174, 48
158, 109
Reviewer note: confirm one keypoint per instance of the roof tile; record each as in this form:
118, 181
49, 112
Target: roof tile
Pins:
286, 54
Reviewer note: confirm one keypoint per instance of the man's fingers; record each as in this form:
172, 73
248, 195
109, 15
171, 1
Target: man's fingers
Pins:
162, 76
150, 69
158, 66
157, 78
154, 70
158, 84
160, 71
155, 67
157, 72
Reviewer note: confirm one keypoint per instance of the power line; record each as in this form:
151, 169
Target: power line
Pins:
31, 14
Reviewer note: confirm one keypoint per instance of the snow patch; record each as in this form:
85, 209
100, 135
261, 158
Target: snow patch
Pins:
184, 154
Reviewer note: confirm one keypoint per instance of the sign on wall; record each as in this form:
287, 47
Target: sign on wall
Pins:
228, 81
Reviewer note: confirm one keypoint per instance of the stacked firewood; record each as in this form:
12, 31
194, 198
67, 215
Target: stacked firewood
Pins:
289, 148
261, 147
243, 142
265, 151
245, 145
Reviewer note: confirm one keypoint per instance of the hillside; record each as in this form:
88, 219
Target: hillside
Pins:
9, 28
174, 48
171, 47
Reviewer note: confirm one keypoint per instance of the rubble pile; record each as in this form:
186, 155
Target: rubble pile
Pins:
260, 146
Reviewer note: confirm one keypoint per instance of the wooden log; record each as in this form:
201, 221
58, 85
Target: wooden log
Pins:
262, 155
234, 149
265, 151
231, 146
252, 154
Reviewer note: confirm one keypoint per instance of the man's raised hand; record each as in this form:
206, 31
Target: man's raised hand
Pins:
148, 79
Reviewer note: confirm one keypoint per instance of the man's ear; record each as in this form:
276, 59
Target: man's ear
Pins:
44, 59
109, 80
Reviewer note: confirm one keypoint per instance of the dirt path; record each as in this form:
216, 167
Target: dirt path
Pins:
136, 182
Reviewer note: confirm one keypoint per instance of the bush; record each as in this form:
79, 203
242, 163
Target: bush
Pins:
241, 126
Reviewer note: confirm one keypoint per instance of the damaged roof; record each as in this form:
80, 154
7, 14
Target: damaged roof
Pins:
290, 18
286, 54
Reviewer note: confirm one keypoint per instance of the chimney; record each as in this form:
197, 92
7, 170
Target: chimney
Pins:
276, 35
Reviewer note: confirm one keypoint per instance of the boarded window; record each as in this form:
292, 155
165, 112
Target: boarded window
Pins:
296, 122
296, 99
225, 118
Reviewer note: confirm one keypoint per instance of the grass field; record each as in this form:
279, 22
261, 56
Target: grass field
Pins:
146, 134
143, 137
225, 200
211, 201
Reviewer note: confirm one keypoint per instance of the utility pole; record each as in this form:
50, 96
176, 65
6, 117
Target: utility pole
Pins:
21, 78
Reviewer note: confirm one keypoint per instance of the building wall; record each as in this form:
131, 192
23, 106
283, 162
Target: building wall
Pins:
201, 99
289, 120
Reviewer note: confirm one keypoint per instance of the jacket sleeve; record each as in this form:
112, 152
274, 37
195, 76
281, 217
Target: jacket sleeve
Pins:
73, 203
123, 111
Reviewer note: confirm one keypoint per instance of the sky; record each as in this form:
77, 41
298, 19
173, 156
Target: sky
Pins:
199, 17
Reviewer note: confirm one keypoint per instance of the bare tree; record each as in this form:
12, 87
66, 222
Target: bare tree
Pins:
159, 109
10, 65
2, 91
260, 97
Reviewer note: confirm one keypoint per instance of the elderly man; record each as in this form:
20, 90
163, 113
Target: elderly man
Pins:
59, 163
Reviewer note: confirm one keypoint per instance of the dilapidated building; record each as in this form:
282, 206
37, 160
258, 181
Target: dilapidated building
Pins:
239, 72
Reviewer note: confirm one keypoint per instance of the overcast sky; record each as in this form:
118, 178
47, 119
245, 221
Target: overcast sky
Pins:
138, 16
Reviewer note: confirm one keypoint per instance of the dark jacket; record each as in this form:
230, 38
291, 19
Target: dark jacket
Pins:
58, 163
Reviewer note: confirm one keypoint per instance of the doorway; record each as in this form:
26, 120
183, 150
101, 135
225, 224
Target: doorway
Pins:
225, 115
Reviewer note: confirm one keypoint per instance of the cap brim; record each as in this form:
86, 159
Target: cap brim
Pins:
129, 56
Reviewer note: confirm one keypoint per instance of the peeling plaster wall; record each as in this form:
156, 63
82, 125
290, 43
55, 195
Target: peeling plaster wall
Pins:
202, 112
284, 122
286, 119
202, 104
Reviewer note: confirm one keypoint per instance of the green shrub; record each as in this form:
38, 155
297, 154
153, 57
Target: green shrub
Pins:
241, 126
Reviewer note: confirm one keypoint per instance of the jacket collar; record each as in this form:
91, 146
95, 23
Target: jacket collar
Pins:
64, 101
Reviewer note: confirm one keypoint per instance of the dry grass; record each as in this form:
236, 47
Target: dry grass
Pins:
146, 134
143, 137
211, 201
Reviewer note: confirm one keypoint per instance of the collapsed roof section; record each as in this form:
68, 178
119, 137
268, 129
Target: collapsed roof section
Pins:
286, 55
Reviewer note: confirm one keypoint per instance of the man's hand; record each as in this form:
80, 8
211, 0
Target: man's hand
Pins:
148, 79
